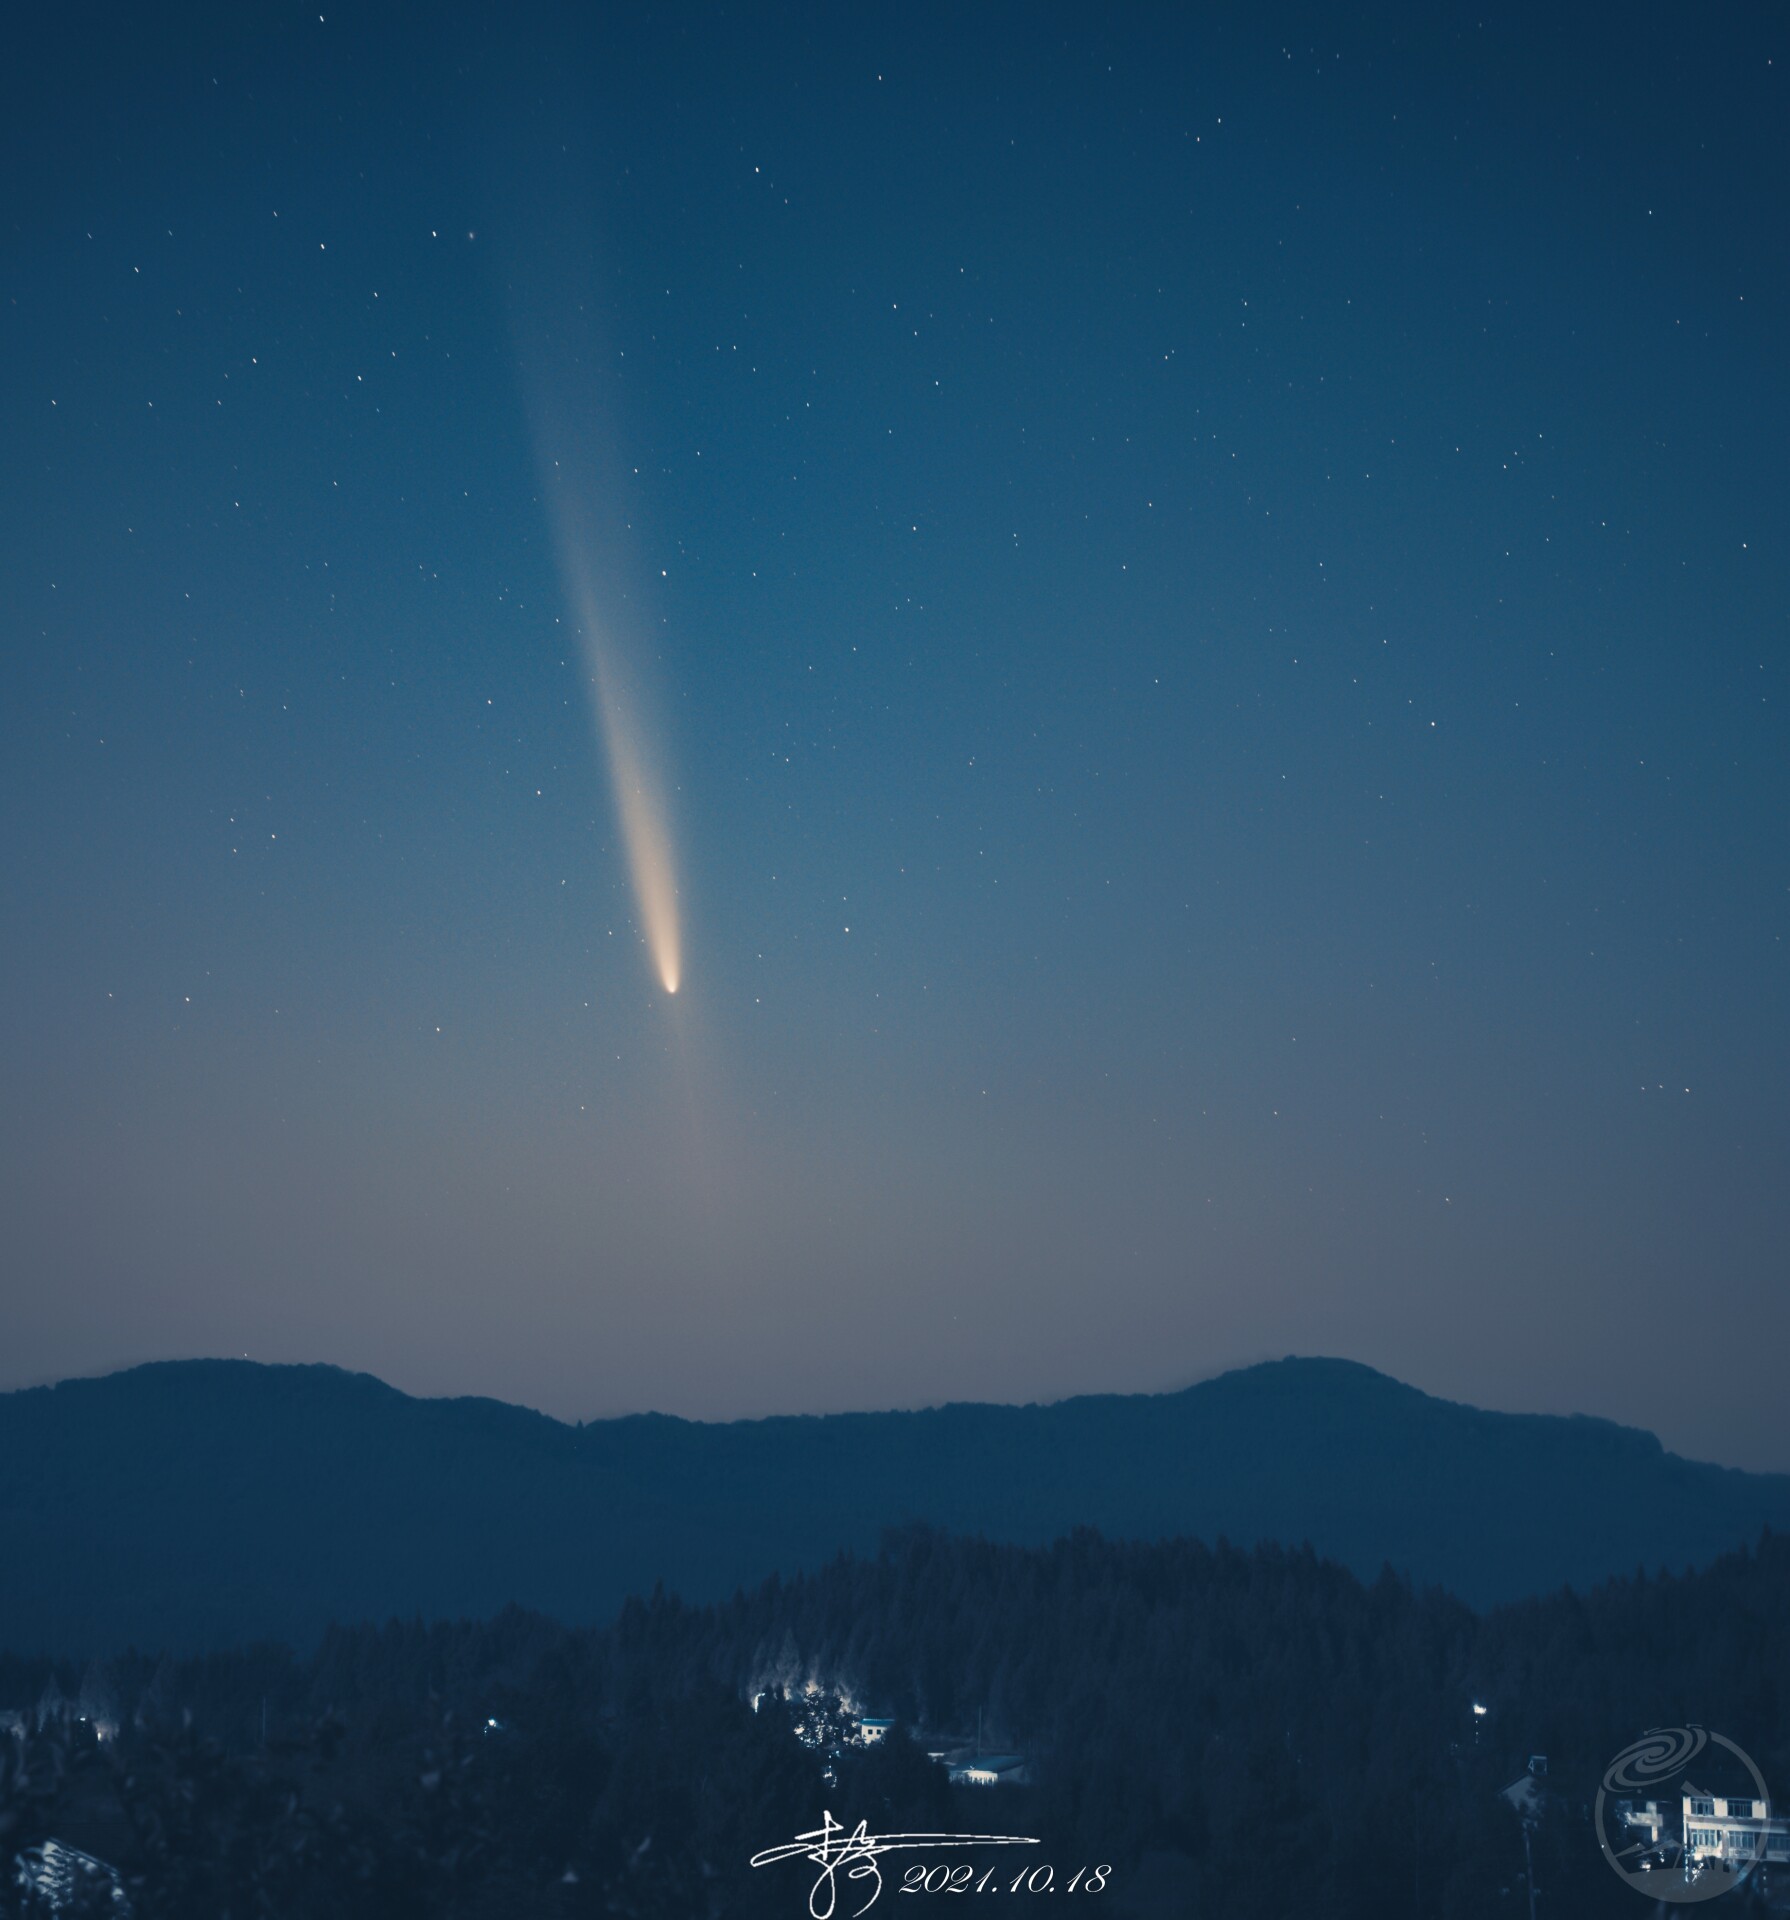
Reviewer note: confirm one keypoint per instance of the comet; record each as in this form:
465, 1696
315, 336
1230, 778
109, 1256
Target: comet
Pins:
579, 465
623, 738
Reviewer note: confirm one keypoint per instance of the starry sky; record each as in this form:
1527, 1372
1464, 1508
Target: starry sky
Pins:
1202, 595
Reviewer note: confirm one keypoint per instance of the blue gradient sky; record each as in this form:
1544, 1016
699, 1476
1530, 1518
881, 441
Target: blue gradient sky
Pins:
1214, 600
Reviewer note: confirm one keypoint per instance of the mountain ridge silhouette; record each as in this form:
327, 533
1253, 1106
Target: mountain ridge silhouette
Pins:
189, 1503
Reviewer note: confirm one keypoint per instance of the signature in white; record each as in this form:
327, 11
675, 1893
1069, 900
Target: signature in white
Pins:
831, 1848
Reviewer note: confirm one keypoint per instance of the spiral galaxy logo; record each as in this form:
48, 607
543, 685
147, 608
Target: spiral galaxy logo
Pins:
1683, 1814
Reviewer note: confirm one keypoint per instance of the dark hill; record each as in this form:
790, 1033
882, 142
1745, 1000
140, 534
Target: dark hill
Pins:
211, 1501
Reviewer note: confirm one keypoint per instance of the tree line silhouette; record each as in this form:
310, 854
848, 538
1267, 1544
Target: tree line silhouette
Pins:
1236, 1733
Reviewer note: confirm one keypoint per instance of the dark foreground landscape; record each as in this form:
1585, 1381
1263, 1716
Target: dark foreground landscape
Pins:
1227, 1732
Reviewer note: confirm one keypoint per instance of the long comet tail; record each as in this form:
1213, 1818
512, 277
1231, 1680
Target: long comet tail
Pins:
618, 713
596, 551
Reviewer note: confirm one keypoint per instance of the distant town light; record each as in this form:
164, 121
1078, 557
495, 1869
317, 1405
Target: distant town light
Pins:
1478, 1709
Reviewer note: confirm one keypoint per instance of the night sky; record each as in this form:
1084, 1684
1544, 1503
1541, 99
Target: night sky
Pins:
1193, 613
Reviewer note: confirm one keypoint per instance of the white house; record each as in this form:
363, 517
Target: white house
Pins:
993, 1770
1734, 1831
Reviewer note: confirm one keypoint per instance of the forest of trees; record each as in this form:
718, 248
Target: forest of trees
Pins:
1233, 1733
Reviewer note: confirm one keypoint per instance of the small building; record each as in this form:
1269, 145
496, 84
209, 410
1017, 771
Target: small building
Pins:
872, 1732
1648, 1818
1527, 1794
56, 1878
992, 1770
